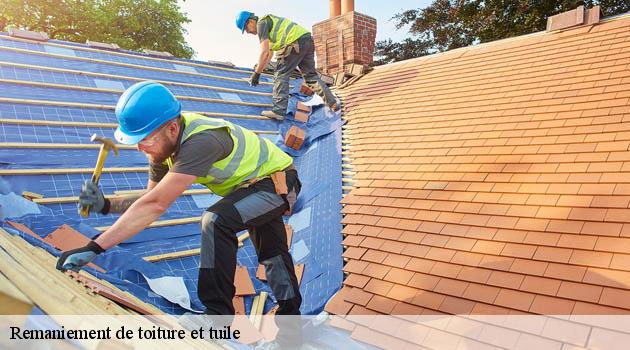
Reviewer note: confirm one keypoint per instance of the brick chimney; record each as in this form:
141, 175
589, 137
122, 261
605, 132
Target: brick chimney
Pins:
346, 38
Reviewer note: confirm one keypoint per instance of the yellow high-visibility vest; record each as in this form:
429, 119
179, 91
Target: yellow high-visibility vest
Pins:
252, 156
283, 32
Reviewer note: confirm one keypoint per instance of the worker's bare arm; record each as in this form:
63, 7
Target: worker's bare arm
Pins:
146, 209
151, 184
120, 204
265, 56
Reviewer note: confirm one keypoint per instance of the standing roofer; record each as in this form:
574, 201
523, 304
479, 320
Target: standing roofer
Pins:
256, 179
294, 48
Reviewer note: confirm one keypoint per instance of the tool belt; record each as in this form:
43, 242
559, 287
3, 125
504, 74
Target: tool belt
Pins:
279, 179
287, 50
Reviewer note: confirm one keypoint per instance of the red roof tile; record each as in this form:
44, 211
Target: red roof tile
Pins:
357, 296
496, 181
337, 304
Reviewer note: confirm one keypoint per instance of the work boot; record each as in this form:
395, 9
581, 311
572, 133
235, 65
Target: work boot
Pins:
335, 106
272, 115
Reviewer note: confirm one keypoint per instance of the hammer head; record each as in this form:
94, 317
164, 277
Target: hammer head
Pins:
107, 142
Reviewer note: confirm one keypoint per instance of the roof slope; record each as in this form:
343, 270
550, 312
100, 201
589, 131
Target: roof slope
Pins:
493, 179
55, 94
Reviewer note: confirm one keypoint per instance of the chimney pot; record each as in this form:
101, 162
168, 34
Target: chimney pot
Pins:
347, 6
335, 8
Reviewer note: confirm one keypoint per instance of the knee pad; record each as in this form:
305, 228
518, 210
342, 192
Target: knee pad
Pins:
278, 278
208, 220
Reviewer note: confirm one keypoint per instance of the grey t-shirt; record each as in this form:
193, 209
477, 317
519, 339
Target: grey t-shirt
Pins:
197, 154
264, 28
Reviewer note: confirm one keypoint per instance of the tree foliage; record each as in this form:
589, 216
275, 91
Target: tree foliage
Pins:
133, 25
450, 24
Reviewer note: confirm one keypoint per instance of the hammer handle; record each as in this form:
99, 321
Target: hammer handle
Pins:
98, 169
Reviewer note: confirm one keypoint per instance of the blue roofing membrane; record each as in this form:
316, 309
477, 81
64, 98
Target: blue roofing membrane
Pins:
54, 69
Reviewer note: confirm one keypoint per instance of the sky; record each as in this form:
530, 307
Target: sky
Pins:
213, 35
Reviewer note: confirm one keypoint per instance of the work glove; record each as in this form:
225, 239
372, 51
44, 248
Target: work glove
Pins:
93, 197
75, 259
254, 79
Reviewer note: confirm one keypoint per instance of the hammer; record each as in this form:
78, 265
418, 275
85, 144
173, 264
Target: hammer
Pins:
106, 145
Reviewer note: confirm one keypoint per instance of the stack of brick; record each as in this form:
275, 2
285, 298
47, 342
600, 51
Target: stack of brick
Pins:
306, 90
302, 112
295, 138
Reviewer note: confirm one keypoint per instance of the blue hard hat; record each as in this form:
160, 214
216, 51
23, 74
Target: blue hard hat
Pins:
142, 108
241, 20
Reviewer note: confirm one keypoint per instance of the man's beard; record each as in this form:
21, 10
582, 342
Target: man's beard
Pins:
162, 156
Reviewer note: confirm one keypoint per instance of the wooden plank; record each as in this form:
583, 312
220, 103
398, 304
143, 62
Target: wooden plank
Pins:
58, 145
254, 309
31, 195
53, 103
89, 125
57, 123
185, 253
187, 192
243, 237
61, 200
162, 223
7, 172
232, 115
173, 255
38, 280
12, 300
262, 298
136, 56
111, 107
123, 77
33, 271
42, 264
122, 64
113, 91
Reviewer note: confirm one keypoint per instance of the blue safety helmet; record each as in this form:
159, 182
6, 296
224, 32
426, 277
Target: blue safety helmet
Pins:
142, 108
241, 20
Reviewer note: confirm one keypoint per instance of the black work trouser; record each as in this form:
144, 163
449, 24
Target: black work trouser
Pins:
259, 209
288, 60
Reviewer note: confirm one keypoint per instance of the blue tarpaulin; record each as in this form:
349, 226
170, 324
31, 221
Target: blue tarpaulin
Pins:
316, 222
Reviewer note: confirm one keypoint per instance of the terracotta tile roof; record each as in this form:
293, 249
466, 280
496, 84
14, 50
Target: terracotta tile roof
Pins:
492, 179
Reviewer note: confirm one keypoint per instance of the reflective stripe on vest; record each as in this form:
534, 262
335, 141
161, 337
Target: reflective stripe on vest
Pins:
251, 157
287, 30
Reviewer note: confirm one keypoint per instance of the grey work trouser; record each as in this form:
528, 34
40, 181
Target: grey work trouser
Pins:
304, 59
259, 209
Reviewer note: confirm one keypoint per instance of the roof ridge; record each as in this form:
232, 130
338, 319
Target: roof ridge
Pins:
502, 41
